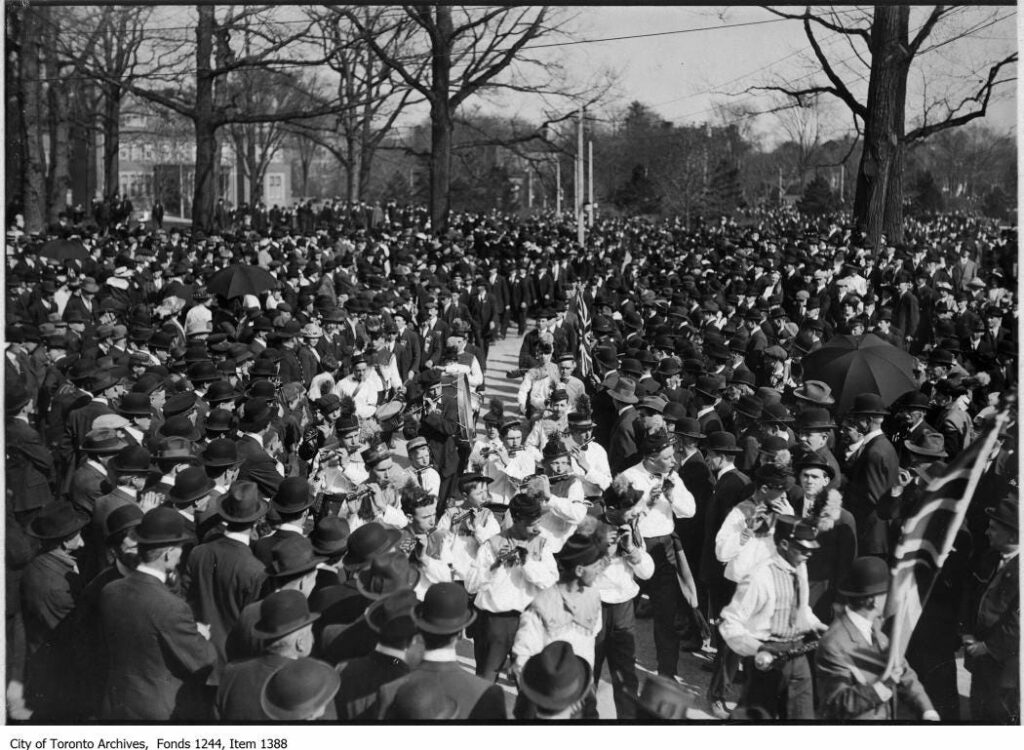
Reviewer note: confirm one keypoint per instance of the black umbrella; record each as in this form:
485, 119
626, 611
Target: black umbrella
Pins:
235, 281
852, 365
64, 250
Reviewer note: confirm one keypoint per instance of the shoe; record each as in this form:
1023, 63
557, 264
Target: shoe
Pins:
691, 644
720, 710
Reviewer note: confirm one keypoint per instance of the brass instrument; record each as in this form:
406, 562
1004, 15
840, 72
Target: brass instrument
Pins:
761, 520
663, 486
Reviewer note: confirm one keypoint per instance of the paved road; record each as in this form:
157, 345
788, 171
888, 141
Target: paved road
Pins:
502, 357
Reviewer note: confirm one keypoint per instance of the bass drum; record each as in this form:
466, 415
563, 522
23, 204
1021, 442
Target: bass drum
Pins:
457, 386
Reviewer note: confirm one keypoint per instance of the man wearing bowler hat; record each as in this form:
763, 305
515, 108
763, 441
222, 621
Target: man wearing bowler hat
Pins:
159, 657
872, 467
222, 576
291, 503
441, 618
285, 629
622, 440
851, 662
767, 622
257, 464
992, 649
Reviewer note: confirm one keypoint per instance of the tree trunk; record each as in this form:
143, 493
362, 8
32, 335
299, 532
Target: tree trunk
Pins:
878, 205
441, 122
352, 192
205, 193
60, 174
14, 113
33, 188
111, 138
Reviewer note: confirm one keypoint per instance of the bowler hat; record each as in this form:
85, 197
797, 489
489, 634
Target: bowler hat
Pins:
203, 371
160, 527
749, 406
722, 442
868, 576
393, 613
423, 700
367, 541
808, 459
292, 496
940, 357
869, 405
180, 426
16, 396
291, 556
775, 413
299, 689
190, 485
387, 574
330, 536
221, 452
57, 520
256, 415
120, 519
135, 405
631, 366
708, 385
242, 503
555, 678
689, 427
133, 459
816, 392
445, 610
220, 392
814, 419
103, 442
1006, 513
176, 449
219, 422
179, 403
927, 443
283, 612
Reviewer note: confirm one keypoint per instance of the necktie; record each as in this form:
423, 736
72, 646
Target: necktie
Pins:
419, 476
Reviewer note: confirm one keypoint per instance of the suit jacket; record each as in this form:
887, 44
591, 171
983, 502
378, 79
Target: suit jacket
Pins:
697, 479
356, 699
729, 492
78, 423
622, 444
907, 314
29, 466
156, 656
871, 475
997, 624
407, 353
238, 695
847, 666
477, 698
262, 548
221, 577
86, 486
258, 466
49, 587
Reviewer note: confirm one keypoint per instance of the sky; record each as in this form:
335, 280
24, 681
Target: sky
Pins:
684, 76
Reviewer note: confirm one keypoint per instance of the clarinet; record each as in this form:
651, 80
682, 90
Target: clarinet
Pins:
765, 660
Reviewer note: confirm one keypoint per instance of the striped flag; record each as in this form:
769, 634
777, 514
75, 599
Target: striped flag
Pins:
927, 538
586, 360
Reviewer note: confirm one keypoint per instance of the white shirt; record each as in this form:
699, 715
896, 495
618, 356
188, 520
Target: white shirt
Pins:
510, 587
159, 574
617, 582
440, 654
364, 393
242, 537
659, 519
862, 624
597, 479
395, 653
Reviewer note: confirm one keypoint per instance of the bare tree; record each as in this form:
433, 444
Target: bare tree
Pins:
883, 42
470, 51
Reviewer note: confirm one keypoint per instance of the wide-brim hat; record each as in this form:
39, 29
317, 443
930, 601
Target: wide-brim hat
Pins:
555, 678
330, 536
189, 486
291, 556
389, 609
444, 610
283, 612
722, 442
367, 541
816, 392
57, 520
387, 574
868, 576
927, 444
293, 496
707, 385
624, 391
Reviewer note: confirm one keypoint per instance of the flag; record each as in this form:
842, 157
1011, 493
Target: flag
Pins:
928, 535
586, 360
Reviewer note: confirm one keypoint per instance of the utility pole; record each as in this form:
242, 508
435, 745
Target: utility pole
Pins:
558, 186
579, 180
590, 183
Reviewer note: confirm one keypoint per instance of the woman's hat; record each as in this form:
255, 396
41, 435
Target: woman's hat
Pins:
299, 689
242, 503
556, 678
387, 574
367, 541
57, 520
444, 611
291, 556
868, 576
190, 485
283, 612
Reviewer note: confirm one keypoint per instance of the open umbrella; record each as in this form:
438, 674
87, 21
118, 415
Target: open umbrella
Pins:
62, 249
236, 281
852, 365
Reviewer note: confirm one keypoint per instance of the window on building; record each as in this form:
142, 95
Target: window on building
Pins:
148, 152
274, 188
122, 151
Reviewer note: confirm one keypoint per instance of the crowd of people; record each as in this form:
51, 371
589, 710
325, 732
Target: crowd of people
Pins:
256, 475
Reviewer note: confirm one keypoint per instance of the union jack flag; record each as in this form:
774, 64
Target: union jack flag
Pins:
583, 314
928, 535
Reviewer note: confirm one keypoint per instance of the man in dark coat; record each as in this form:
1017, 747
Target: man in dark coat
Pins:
441, 618
257, 465
391, 619
159, 656
286, 629
29, 466
223, 575
872, 467
622, 445
291, 503
440, 426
